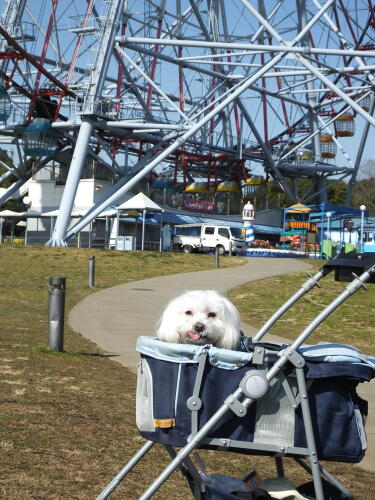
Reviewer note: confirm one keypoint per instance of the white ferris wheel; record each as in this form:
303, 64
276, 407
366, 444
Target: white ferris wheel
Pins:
209, 91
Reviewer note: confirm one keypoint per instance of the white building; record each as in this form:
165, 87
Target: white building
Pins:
44, 193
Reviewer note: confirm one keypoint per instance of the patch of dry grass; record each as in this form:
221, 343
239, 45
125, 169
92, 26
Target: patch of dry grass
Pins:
67, 419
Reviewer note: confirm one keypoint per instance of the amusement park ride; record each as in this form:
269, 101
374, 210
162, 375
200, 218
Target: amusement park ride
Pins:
208, 91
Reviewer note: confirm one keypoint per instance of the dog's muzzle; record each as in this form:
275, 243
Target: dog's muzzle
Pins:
198, 332
199, 327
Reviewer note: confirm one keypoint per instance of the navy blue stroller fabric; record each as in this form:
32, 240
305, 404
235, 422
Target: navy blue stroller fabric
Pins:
219, 487
337, 411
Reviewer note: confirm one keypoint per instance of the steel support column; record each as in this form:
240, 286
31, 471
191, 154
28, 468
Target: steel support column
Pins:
74, 176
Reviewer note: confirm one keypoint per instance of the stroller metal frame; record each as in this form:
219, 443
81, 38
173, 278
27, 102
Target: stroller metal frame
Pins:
240, 401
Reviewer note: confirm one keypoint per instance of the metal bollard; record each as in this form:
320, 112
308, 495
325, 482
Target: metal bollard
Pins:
217, 257
92, 271
56, 308
230, 249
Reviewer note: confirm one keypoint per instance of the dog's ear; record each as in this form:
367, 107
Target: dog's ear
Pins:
232, 325
165, 329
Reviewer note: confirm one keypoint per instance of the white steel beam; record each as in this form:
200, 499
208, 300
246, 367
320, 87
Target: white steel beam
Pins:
98, 75
214, 74
106, 44
344, 41
360, 151
125, 40
69, 194
152, 83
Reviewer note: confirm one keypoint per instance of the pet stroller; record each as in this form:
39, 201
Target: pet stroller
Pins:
270, 399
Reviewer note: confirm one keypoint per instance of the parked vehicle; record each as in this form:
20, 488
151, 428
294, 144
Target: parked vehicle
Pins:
208, 237
369, 238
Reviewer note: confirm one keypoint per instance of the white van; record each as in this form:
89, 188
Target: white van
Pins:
208, 237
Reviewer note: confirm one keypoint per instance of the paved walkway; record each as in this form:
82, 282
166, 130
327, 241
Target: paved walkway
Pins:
114, 318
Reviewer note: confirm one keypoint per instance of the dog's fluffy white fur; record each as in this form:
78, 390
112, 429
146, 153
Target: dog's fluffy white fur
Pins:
200, 317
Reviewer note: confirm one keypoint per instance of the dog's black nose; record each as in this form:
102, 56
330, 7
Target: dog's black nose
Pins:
199, 327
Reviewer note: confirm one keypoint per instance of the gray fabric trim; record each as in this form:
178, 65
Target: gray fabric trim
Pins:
232, 360
144, 415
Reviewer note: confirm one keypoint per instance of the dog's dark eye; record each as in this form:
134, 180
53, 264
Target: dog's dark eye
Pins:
189, 313
211, 315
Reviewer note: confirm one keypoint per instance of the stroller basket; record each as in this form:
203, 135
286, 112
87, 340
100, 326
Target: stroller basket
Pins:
181, 386
268, 399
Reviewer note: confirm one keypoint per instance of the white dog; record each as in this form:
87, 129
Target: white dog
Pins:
200, 317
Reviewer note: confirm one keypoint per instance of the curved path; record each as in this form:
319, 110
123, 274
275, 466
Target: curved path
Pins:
115, 317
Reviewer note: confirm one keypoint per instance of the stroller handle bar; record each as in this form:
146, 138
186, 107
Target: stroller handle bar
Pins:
306, 287
355, 285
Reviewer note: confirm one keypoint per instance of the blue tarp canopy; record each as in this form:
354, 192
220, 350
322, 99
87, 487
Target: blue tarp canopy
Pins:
176, 218
267, 229
321, 210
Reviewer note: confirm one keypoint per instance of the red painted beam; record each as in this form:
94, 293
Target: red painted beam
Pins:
21, 51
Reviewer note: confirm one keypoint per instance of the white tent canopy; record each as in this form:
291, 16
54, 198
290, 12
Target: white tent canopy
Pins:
54, 213
140, 202
10, 213
111, 212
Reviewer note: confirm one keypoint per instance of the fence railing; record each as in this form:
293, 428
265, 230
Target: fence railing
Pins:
83, 242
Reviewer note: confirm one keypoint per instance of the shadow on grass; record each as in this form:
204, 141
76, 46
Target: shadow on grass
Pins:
46, 350
99, 354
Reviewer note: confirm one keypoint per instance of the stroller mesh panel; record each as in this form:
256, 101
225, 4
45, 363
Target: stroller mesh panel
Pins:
274, 421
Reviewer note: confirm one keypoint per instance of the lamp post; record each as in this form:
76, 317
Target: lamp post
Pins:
328, 214
362, 209
321, 235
